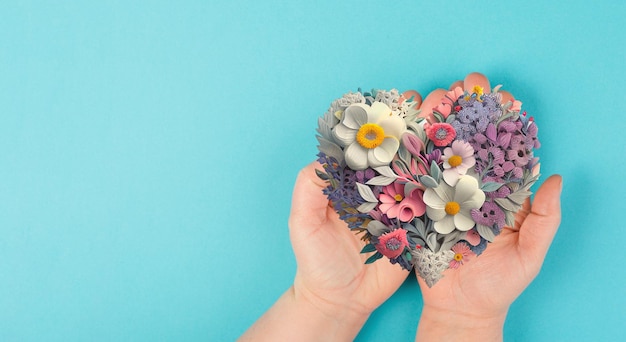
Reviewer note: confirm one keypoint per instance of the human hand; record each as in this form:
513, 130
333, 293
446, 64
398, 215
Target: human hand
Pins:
332, 274
471, 301
333, 292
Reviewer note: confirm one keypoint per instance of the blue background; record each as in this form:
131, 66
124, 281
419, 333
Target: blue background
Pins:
148, 152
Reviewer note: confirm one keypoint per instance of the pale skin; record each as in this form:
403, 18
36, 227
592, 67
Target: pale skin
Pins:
334, 292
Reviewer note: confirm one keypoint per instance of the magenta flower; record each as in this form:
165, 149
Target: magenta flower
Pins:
441, 134
397, 202
462, 253
392, 244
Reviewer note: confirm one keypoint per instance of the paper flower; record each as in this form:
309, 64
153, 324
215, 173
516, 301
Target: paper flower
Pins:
450, 207
427, 193
401, 204
441, 134
392, 244
457, 160
462, 253
370, 134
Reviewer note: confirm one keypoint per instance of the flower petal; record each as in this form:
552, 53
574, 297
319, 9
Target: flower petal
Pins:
445, 192
377, 111
462, 222
433, 200
465, 188
445, 225
355, 115
356, 157
344, 135
451, 176
474, 202
393, 125
383, 154
435, 214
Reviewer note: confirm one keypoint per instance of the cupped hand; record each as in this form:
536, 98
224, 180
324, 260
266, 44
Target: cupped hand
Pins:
331, 272
483, 288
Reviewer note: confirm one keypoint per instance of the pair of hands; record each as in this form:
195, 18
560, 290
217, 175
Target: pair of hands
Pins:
469, 302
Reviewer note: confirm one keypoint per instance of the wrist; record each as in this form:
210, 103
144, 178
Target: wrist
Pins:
335, 321
437, 324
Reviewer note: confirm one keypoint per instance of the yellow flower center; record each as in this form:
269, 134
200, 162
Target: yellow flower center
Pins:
398, 197
455, 160
452, 208
458, 257
370, 135
478, 90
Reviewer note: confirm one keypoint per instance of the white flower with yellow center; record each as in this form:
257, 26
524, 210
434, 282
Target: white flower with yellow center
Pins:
370, 135
450, 207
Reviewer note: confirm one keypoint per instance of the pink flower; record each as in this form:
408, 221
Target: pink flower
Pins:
457, 160
445, 107
397, 202
462, 253
516, 106
392, 244
472, 237
441, 134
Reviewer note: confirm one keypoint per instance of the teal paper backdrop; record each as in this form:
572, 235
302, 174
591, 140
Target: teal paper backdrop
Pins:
148, 152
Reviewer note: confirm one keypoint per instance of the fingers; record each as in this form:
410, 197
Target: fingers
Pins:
476, 79
432, 100
308, 204
506, 96
539, 227
456, 84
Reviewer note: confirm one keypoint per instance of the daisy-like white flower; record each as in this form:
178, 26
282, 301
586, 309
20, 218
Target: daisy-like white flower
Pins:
370, 135
450, 207
462, 253
457, 160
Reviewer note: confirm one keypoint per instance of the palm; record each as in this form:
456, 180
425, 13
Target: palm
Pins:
327, 252
489, 283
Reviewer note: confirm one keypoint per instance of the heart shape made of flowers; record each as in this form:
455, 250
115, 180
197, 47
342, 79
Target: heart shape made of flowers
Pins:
428, 191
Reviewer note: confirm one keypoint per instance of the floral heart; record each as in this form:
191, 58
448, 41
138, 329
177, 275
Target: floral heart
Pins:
428, 191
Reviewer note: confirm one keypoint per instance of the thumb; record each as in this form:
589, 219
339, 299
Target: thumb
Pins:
541, 224
309, 206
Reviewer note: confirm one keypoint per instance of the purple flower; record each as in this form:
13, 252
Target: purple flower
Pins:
488, 215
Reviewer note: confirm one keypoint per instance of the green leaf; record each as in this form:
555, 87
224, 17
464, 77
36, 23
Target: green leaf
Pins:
485, 232
366, 207
428, 181
507, 204
366, 193
431, 241
420, 227
438, 117
491, 186
510, 218
386, 171
322, 175
368, 248
373, 258
520, 196
380, 180
435, 172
